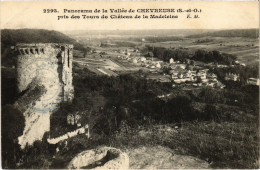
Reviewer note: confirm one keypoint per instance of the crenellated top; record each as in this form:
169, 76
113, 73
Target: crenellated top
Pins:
40, 48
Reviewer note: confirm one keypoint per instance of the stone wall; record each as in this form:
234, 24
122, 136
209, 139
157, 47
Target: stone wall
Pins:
84, 129
50, 66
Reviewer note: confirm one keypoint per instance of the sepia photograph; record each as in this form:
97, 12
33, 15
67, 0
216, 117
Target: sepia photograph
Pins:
129, 84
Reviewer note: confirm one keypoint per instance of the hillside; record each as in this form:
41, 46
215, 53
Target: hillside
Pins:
10, 37
249, 33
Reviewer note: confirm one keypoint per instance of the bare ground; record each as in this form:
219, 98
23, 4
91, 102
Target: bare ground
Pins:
158, 157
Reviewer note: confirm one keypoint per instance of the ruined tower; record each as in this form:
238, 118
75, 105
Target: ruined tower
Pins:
48, 66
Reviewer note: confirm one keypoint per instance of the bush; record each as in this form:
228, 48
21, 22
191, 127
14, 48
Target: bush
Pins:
12, 127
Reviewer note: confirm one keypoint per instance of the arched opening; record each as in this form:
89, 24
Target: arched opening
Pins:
26, 51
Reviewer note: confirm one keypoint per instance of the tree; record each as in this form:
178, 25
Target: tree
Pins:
198, 80
211, 113
166, 70
13, 124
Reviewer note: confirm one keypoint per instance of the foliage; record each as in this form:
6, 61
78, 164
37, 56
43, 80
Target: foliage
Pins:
107, 101
214, 56
162, 38
182, 54
200, 41
11, 128
166, 54
125, 44
216, 125
8, 92
244, 74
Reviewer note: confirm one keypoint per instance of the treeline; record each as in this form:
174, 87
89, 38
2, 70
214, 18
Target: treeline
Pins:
200, 41
165, 54
181, 54
162, 38
214, 56
249, 33
125, 44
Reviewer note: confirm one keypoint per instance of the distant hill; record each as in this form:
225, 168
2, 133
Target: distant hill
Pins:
138, 33
13, 36
10, 37
250, 33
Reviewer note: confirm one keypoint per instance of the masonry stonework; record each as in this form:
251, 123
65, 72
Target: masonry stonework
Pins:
50, 66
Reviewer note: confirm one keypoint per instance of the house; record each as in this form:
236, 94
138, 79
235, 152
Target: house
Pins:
193, 73
253, 81
187, 61
172, 72
158, 65
173, 67
188, 74
202, 76
222, 66
177, 81
231, 76
180, 75
204, 80
192, 78
143, 59
134, 60
236, 62
212, 76
211, 84
182, 66
171, 61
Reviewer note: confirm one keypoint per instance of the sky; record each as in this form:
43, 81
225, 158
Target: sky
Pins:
213, 15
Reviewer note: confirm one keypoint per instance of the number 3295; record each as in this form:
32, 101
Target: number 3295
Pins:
50, 11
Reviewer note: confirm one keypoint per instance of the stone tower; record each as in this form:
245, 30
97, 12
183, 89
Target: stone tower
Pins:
48, 66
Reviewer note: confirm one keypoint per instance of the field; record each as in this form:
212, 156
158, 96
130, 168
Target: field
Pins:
246, 49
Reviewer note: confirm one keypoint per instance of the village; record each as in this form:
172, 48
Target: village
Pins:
180, 74
177, 73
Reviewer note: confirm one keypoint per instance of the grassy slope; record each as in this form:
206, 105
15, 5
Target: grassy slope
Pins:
222, 144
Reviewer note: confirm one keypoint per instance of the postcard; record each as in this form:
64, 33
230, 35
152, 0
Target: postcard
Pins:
129, 84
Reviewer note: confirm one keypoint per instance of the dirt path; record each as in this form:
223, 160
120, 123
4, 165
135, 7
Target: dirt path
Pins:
159, 157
